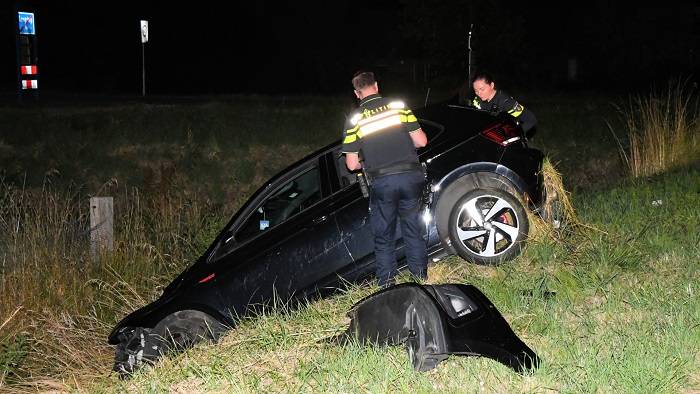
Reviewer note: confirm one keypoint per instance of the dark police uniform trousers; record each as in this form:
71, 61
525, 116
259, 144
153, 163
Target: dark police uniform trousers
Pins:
395, 197
379, 131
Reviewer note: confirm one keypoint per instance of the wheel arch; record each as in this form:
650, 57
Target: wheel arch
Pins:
150, 318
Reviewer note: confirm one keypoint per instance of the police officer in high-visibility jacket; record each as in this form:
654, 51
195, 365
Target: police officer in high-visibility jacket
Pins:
488, 98
381, 138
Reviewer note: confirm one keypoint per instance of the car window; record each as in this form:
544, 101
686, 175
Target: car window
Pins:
287, 201
346, 177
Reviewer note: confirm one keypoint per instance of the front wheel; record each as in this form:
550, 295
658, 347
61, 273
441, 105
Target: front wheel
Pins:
183, 329
176, 332
488, 226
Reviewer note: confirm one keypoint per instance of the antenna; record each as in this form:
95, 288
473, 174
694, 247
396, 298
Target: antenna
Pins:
469, 48
426, 97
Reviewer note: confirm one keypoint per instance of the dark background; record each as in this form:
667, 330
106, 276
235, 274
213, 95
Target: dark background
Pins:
314, 47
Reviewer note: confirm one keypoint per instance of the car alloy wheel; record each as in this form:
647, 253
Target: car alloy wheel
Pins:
488, 226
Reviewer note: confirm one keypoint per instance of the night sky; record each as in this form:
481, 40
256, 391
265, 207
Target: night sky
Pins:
267, 46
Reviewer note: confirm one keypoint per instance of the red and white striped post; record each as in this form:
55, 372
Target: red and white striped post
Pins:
28, 72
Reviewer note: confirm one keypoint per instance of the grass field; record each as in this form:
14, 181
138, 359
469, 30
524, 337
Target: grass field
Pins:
625, 315
160, 146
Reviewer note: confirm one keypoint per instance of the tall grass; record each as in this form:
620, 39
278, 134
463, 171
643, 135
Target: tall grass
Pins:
663, 130
193, 164
56, 302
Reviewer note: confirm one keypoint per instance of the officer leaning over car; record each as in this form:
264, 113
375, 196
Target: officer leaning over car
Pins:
488, 98
381, 137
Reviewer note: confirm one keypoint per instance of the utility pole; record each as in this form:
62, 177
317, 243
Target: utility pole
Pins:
143, 70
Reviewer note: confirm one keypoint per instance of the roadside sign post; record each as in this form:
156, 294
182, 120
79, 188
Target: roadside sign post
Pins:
101, 225
27, 59
144, 40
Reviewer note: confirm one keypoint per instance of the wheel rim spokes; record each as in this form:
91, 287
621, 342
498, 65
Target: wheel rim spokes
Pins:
474, 212
499, 206
512, 231
485, 225
489, 249
466, 235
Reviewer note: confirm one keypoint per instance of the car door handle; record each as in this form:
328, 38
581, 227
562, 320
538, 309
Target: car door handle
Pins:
320, 219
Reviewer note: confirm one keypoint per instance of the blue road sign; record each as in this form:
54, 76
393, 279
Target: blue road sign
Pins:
26, 22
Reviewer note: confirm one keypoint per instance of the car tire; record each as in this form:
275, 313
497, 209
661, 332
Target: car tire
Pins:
183, 329
178, 331
457, 189
488, 226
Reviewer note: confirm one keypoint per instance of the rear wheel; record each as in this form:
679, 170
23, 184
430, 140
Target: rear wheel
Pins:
488, 226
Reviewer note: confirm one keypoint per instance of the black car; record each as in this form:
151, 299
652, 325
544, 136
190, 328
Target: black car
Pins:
306, 231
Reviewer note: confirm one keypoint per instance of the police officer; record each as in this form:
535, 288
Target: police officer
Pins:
381, 138
490, 99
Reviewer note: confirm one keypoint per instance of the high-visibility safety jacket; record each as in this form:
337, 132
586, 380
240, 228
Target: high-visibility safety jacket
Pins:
502, 102
379, 132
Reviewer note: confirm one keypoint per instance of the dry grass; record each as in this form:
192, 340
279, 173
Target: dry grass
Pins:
57, 303
662, 130
558, 216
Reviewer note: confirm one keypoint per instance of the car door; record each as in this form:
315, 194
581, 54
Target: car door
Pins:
354, 224
353, 221
287, 243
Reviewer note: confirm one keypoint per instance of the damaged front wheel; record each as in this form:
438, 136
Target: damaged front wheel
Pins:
178, 331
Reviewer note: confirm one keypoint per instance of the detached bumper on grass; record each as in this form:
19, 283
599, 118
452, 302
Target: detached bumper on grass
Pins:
436, 321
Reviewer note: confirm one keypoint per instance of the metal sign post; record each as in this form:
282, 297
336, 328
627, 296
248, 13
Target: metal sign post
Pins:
144, 40
27, 59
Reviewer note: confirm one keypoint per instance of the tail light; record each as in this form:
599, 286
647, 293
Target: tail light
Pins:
502, 133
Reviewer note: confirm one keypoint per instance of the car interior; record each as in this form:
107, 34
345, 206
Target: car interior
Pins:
292, 198
347, 177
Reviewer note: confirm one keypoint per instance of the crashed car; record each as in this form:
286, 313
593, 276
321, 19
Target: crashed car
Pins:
306, 231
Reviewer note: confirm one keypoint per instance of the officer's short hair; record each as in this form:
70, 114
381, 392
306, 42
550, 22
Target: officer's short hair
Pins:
483, 75
363, 79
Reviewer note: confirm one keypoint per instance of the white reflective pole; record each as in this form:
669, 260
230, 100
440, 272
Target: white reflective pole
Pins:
143, 69
144, 40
